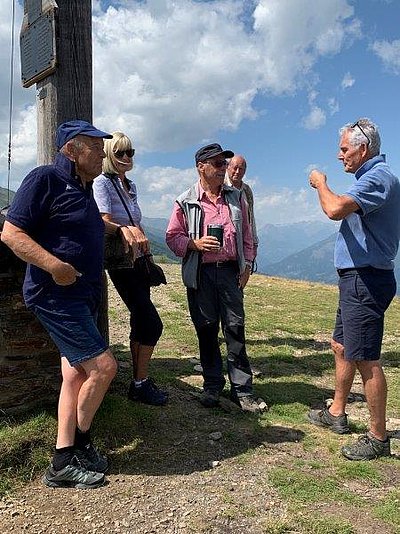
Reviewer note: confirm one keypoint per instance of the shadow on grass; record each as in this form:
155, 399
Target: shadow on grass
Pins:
177, 438
391, 359
289, 393
294, 342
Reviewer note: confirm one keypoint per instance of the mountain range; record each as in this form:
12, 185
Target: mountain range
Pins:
301, 251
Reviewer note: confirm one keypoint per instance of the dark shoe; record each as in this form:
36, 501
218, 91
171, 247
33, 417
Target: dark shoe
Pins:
148, 393
74, 475
337, 424
92, 459
367, 448
209, 399
248, 403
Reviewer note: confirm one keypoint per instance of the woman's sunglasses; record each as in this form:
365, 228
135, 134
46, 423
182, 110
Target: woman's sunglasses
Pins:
130, 152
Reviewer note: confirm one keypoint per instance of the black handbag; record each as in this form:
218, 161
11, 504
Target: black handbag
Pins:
115, 256
149, 271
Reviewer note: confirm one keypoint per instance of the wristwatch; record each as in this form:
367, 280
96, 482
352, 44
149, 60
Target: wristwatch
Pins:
248, 264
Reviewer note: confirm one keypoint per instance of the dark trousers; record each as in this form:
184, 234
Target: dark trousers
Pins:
145, 322
219, 299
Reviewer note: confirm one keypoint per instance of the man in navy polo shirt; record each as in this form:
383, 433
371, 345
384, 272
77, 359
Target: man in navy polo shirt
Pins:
365, 250
54, 225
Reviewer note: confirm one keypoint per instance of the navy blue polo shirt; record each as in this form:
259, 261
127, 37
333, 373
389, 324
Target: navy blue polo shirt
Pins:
53, 208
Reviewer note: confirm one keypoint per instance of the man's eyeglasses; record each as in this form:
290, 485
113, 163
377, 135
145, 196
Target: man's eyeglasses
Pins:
362, 131
218, 164
130, 152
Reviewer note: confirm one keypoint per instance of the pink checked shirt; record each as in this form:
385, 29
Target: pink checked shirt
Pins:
177, 233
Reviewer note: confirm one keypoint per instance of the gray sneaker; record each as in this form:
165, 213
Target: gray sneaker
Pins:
74, 475
209, 399
91, 459
367, 448
337, 424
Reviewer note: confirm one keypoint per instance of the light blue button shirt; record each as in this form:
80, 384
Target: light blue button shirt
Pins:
370, 236
108, 201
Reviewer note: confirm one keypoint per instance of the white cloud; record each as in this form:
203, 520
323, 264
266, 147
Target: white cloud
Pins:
180, 72
287, 205
171, 74
389, 53
158, 188
294, 35
315, 119
348, 81
333, 106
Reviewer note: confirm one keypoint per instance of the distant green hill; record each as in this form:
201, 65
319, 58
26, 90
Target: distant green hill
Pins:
4, 197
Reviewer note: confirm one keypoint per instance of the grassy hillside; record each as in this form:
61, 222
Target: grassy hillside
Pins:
272, 474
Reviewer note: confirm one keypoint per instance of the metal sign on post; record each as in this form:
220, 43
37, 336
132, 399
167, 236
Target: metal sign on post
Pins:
38, 41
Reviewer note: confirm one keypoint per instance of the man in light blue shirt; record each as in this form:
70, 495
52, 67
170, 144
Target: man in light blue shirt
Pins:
365, 250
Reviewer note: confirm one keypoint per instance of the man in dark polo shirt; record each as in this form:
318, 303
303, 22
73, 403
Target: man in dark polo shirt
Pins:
365, 250
54, 225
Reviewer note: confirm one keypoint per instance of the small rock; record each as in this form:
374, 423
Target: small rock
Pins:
215, 436
214, 464
198, 368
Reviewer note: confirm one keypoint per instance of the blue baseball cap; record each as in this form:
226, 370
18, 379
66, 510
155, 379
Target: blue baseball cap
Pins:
69, 130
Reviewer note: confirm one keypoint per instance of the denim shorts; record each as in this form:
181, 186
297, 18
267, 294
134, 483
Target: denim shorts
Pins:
364, 296
72, 327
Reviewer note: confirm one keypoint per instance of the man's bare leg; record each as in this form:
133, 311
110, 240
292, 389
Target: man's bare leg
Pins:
344, 376
375, 388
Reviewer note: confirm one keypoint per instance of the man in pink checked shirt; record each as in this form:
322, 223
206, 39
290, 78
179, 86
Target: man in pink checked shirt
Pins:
215, 275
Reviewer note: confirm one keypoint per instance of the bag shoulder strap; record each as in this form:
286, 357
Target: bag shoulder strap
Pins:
112, 179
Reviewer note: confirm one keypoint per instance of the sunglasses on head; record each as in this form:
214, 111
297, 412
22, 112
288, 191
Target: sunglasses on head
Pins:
130, 152
358, 125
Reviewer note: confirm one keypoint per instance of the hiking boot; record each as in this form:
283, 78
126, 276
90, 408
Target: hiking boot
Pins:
367, 448
209, 398
248, 403
337, 424
74, 475
91, 459
148, 393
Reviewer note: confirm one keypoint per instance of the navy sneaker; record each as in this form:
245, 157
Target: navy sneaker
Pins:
147, 393
74, 475
92, 459
209, 399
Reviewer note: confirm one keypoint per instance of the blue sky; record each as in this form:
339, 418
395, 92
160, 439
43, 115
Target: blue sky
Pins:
273, 80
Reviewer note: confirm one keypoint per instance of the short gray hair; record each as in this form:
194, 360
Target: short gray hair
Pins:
361, 132
74, 141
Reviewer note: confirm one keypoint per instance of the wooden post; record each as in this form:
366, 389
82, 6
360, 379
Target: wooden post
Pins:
66, 94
